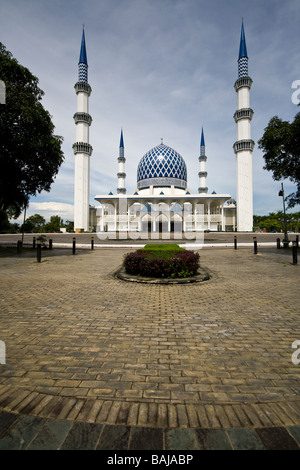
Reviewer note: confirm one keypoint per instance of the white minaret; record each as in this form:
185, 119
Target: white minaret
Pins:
202, 160
121, 167
243, 147
82, 148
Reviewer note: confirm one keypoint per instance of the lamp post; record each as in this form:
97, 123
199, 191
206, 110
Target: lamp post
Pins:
285, 239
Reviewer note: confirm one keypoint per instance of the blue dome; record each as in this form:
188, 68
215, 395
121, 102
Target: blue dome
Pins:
162, 166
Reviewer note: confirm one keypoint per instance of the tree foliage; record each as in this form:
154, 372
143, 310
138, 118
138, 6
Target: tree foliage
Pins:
37, 224
281, 147
30, 153
274, 222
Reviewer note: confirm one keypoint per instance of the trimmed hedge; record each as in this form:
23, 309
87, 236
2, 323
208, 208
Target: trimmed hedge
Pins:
169, 263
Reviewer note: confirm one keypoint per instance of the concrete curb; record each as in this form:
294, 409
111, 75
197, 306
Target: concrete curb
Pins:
203, 275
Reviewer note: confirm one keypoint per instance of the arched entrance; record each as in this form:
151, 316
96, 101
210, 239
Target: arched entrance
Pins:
162, 223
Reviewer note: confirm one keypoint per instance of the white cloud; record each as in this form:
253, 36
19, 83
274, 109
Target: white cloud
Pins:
47, 209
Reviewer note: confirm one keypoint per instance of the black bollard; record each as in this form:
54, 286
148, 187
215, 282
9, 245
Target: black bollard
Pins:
19, 246
33, 243
74, 245
50, 244
255, 245
38, 251
235, 242
92, 243
278, 243
295, 254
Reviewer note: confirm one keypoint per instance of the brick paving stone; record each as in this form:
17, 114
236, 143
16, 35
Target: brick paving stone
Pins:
82, 436
104, 412
51, 436
66, 408
114, 438
142, 438
214, 354
277, 438
21, 433
245, 439
181, 439
213, 439
6, 420
295, 432
133, 414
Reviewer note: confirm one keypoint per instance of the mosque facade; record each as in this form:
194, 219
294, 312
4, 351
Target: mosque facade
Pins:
162, 202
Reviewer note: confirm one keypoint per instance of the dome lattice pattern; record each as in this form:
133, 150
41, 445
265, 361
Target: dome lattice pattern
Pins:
162, 166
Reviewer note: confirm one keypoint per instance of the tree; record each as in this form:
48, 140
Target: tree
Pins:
274, 222
35, 223
30, 153
69, 225
281, 146
54, 225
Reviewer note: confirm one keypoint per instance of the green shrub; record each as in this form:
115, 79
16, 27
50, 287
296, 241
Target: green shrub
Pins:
167, 263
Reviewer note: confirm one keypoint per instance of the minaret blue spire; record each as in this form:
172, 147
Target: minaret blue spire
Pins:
243, 56
243, 47
82, 64
83, 56
121, 164
202, 144
121, 148
121, 140
202, 160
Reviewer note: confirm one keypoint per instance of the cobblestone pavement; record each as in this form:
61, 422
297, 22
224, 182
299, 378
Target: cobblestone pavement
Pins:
169, 366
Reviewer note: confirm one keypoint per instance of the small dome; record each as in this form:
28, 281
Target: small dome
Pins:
162, 166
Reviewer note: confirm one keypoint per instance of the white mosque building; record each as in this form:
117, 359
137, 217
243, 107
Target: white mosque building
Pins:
162, 201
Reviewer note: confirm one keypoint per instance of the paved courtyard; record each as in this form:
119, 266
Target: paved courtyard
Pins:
83, 346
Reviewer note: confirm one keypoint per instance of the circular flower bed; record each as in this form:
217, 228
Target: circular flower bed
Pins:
162, 261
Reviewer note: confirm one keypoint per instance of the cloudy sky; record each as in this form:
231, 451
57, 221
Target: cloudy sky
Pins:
158, 69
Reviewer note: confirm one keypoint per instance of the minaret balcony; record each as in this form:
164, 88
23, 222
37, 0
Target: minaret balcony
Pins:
121, 175
244, 113
82, 147
81, 86
241, 145
202, 190
121, 191
202, 158
83, 117
243, 81
202, 174
121, 159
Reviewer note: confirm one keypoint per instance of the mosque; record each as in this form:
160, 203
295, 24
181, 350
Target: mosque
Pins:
162, 201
